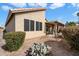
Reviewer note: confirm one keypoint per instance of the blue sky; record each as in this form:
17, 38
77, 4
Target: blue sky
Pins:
61, 12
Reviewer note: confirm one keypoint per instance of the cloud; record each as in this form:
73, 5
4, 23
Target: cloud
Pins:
42, 4
61, 19
18, 4
75, 4
75, 13
56, 5
33, 4
52, 6
6, 7
38, 4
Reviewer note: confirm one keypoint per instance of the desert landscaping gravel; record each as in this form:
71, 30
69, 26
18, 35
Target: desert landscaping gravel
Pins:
59, 46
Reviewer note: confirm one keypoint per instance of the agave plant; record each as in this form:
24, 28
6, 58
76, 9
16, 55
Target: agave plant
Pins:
38, 50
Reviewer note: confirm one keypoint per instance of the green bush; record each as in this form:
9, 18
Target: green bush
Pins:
14, 40
71, 34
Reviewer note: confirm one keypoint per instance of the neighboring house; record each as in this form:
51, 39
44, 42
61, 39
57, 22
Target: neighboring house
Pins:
53, 26
29, 20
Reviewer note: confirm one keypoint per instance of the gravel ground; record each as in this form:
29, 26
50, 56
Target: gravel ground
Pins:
59, 47
2, 42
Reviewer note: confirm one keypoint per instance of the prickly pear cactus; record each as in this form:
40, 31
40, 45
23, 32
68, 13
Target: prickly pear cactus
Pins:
38, 50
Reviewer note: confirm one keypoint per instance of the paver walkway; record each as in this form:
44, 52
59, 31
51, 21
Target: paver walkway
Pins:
59, 47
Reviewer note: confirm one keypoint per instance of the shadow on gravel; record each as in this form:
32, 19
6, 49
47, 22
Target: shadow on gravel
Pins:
5, 48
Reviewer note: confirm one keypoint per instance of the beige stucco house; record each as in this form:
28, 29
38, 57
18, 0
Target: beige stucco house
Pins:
29, 20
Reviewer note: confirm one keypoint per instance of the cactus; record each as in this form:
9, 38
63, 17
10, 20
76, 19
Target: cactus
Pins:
38, 50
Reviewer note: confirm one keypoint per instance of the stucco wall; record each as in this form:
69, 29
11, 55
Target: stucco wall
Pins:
36, 16
11, 25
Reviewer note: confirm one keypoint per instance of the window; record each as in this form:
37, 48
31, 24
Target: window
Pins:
31, 25
40, 26
37, 26
26, 25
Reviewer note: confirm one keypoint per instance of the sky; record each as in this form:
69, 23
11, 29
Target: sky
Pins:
61, 12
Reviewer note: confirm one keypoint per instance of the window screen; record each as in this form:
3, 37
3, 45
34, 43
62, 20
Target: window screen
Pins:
26, 25
37, 26
40, 26
31, 25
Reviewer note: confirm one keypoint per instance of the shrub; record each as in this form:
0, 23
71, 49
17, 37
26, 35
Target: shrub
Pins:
70, 24
14, 40
38, 50
71, 34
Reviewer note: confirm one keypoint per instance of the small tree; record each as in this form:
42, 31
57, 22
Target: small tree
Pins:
70, 24
78, 17
78, 14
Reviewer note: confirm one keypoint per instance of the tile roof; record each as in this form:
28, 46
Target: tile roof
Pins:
26, 10
21, 10
55, 22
